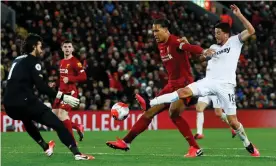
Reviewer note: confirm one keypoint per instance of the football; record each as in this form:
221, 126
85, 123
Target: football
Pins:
120, 111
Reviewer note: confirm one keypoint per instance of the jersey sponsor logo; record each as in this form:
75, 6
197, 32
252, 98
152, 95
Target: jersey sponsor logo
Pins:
167, 57
79, 64
226, 50
63, 71
38, 67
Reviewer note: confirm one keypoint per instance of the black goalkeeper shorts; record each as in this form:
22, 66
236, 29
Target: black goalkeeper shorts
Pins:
28, 110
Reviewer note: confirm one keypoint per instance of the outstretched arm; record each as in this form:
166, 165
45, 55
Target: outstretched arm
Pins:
249, 28
194, 49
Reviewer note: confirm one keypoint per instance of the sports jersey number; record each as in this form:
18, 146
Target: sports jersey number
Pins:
12, 67
231, 97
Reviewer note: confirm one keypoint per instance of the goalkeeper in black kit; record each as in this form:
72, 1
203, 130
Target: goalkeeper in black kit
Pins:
21, 103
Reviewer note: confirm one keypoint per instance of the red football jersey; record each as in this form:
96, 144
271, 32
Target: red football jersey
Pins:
175, 58
71, 68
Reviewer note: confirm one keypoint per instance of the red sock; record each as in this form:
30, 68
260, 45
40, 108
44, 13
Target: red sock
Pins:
140, 126
185, 130
75, 125
67, 124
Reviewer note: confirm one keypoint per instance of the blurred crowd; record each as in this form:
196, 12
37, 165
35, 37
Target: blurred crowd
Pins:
114, 42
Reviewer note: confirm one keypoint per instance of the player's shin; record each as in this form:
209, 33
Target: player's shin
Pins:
34, 133
140, 126
242, 135
248, 145
185, 130
75, 125
67, 124
79, 128
199, 122
172, 97
223, 117
43, 144
166, 98
64, 117
74, 149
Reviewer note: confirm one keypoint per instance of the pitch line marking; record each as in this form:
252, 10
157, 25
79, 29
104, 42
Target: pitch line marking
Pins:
9, 147
158, 155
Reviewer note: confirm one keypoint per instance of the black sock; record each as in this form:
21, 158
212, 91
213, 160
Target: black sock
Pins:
250, 148
75, 150
43, 144
34, 133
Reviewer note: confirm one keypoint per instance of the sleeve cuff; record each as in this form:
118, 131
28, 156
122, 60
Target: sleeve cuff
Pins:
239, 37
180, 45
59, 95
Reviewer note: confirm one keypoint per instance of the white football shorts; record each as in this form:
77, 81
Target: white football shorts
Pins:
225, 93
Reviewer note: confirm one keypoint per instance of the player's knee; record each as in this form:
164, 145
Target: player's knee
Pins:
176, 108
184, 92
234, 124
62, 114
149, 114
199, 108
55, 111
218, 112
233, 121
173, 113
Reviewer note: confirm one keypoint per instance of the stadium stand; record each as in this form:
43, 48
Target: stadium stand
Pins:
114, 42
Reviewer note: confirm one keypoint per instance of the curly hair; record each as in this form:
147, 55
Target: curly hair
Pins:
30, 42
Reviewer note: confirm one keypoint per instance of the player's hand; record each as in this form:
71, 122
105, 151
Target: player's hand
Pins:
183, 40
208, 52
235, 10
72, 101
65, 80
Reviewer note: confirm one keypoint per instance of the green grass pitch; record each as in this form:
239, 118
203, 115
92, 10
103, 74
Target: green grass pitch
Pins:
151, 148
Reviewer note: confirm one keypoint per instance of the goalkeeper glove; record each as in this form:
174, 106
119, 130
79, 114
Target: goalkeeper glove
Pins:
72, 101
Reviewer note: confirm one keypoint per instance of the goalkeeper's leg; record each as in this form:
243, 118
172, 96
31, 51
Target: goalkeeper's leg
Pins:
32, 130
47, 117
